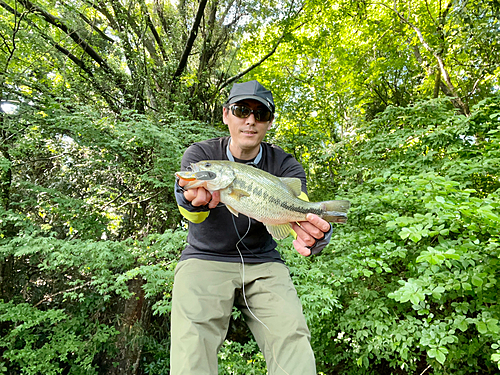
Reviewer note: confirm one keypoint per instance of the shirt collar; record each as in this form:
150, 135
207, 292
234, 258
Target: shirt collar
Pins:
231, 157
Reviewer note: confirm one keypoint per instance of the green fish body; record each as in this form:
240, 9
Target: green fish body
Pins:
260, 195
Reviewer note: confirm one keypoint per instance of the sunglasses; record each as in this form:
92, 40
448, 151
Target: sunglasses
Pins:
242, 111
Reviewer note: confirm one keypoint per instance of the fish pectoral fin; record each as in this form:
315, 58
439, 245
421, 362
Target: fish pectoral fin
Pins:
238, 194
232, 210
279, 231
294, 184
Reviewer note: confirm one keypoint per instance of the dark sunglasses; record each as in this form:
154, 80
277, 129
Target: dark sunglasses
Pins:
242, 111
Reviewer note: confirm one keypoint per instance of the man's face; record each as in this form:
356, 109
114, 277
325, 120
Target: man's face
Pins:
246, 133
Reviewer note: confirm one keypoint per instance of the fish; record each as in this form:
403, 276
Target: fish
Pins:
245, 189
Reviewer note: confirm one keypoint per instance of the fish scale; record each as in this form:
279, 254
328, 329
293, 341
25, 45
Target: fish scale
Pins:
262, 196
263, 201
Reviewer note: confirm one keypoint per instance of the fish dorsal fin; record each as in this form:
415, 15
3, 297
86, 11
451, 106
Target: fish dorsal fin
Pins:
279, 231
293, 183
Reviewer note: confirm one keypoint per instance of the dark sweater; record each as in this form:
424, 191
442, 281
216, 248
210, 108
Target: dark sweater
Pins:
218, 236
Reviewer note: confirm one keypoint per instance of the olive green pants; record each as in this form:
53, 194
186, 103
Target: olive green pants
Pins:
203, 296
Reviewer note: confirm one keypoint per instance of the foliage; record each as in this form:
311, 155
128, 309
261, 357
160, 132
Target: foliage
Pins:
104, 97
412, 278
139, 56
351, 60
87, 233
58, 328
236, 358
48, 342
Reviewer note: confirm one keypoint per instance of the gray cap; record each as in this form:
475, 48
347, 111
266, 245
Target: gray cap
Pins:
251, 90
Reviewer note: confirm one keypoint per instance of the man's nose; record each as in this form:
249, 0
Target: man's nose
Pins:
251, 119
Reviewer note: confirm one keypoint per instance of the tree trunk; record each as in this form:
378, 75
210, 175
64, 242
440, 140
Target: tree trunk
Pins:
445, 77
134, 320
5, 171
437, 84
190, 42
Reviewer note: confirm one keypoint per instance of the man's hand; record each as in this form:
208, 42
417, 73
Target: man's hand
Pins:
200, 196
308, 232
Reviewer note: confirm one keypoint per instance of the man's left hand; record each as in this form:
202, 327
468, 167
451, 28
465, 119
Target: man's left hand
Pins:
308, 232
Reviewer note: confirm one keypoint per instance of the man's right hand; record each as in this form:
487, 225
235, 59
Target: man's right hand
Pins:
200, 196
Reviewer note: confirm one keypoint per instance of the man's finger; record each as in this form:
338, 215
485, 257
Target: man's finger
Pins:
301, 248
202, 197
318, 222
215, 199
303, 235
311, 229
190, 194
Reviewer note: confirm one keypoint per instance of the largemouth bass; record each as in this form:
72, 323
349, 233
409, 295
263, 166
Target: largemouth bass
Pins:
260, 195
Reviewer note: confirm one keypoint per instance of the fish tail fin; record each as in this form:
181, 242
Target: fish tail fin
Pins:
335, 211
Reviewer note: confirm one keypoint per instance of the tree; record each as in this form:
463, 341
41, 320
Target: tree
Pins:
107, 99
108, 94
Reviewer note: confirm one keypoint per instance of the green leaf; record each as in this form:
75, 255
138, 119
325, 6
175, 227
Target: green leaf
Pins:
438, 291
415, 237
477, 281
481, 327
493, 326
432, 353
440, 356
466, 286
450, 254
462, 325
415, 298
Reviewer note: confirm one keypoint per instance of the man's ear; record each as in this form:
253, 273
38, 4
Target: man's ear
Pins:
270, 124
224, 115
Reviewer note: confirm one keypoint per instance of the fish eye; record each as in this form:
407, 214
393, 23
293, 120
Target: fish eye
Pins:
207, 165
189, 169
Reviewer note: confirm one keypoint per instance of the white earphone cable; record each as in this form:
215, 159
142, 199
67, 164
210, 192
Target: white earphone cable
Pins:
243, 285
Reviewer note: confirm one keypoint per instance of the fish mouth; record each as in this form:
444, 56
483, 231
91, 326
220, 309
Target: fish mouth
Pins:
196, 175
186, 175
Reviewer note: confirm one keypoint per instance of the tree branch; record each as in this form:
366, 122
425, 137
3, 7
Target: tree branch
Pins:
190, 42
15, 29
95, 28
241, 74
49, 297
61, 49
151, 26
444, 73
71, 33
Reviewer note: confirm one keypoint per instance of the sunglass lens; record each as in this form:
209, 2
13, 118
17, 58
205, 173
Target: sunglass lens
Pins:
241, 111
263, 115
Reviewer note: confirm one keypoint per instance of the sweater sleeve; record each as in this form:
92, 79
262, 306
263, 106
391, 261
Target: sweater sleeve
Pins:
193, 214
321, 243
196, 215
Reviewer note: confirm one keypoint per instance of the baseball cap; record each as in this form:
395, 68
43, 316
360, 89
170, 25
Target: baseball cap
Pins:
251, 90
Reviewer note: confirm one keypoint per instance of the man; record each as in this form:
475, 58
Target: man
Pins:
233, 261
